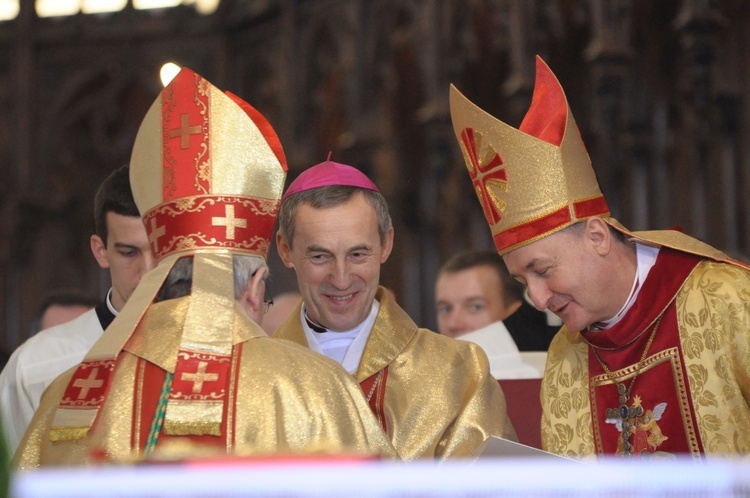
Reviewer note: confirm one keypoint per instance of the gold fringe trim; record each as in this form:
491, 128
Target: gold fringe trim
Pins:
68, 433
192, 428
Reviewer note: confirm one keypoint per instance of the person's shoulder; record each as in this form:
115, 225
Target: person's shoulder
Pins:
736, 270
283, 351
713, 285
79, 333
429, 341
566, 344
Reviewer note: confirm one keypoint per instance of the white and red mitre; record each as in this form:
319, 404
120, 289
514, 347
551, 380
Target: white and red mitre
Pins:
207, 173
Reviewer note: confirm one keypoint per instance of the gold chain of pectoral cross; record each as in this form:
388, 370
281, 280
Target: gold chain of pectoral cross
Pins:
627, 413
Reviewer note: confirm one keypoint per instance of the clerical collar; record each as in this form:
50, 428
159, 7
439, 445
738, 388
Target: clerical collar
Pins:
109, 303
316, 327
105, 312
357, 337
645, 260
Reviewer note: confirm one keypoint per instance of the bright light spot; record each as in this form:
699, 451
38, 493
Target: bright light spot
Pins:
53, 8
168, 72
99, 6
155, 4
206, 7
8, 9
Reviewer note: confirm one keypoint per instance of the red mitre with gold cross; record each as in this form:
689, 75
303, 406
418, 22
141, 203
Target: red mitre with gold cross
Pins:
207, 173
533, 181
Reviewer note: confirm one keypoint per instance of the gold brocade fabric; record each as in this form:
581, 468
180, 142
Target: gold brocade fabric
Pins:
440, 399
287, 399
713, 316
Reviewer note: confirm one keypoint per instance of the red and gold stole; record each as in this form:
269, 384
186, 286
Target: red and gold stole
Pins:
148, 383
659, 402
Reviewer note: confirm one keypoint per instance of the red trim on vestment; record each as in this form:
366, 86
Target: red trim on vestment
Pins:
148, 386
147, 392
200, 376
377, 399
89, 384
663, 377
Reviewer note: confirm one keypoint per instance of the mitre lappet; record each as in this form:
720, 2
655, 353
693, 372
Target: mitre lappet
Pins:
207, 173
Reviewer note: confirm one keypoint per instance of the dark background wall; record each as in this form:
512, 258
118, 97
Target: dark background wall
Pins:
659, 90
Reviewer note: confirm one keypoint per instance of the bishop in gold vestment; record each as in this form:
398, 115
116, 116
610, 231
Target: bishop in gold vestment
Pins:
692, 385
654, 357
437, 398
195, 376
433, 395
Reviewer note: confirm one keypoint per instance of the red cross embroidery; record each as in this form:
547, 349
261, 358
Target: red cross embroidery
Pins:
484, 176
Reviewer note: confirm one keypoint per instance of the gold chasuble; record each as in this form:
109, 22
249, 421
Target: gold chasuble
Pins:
433, 395
282, 400
682, 357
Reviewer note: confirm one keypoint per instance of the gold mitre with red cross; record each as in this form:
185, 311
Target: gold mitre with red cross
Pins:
531, 181
221, 171
207, 173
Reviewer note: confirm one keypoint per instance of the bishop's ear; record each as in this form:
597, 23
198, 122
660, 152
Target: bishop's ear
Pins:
256, 288
285, 251
598, 234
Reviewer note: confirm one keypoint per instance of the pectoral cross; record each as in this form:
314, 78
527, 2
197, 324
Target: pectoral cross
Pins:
625, 417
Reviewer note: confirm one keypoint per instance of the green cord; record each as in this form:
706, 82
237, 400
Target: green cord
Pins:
161, 409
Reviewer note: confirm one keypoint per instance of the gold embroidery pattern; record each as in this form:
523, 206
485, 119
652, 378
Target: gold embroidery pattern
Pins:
713, 310
255, 244
566, 411
259, 206
202, 168
170, 165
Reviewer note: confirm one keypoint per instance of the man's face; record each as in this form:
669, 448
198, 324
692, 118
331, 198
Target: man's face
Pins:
564, 273
468, 300
127, 255
337, 256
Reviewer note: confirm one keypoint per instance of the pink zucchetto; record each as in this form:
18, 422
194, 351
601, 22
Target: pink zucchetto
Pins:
329, 173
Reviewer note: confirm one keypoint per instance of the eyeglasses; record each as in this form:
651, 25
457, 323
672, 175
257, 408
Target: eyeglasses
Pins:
267, 300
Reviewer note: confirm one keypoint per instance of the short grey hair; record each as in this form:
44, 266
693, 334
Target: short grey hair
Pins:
180, 278
331, 196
